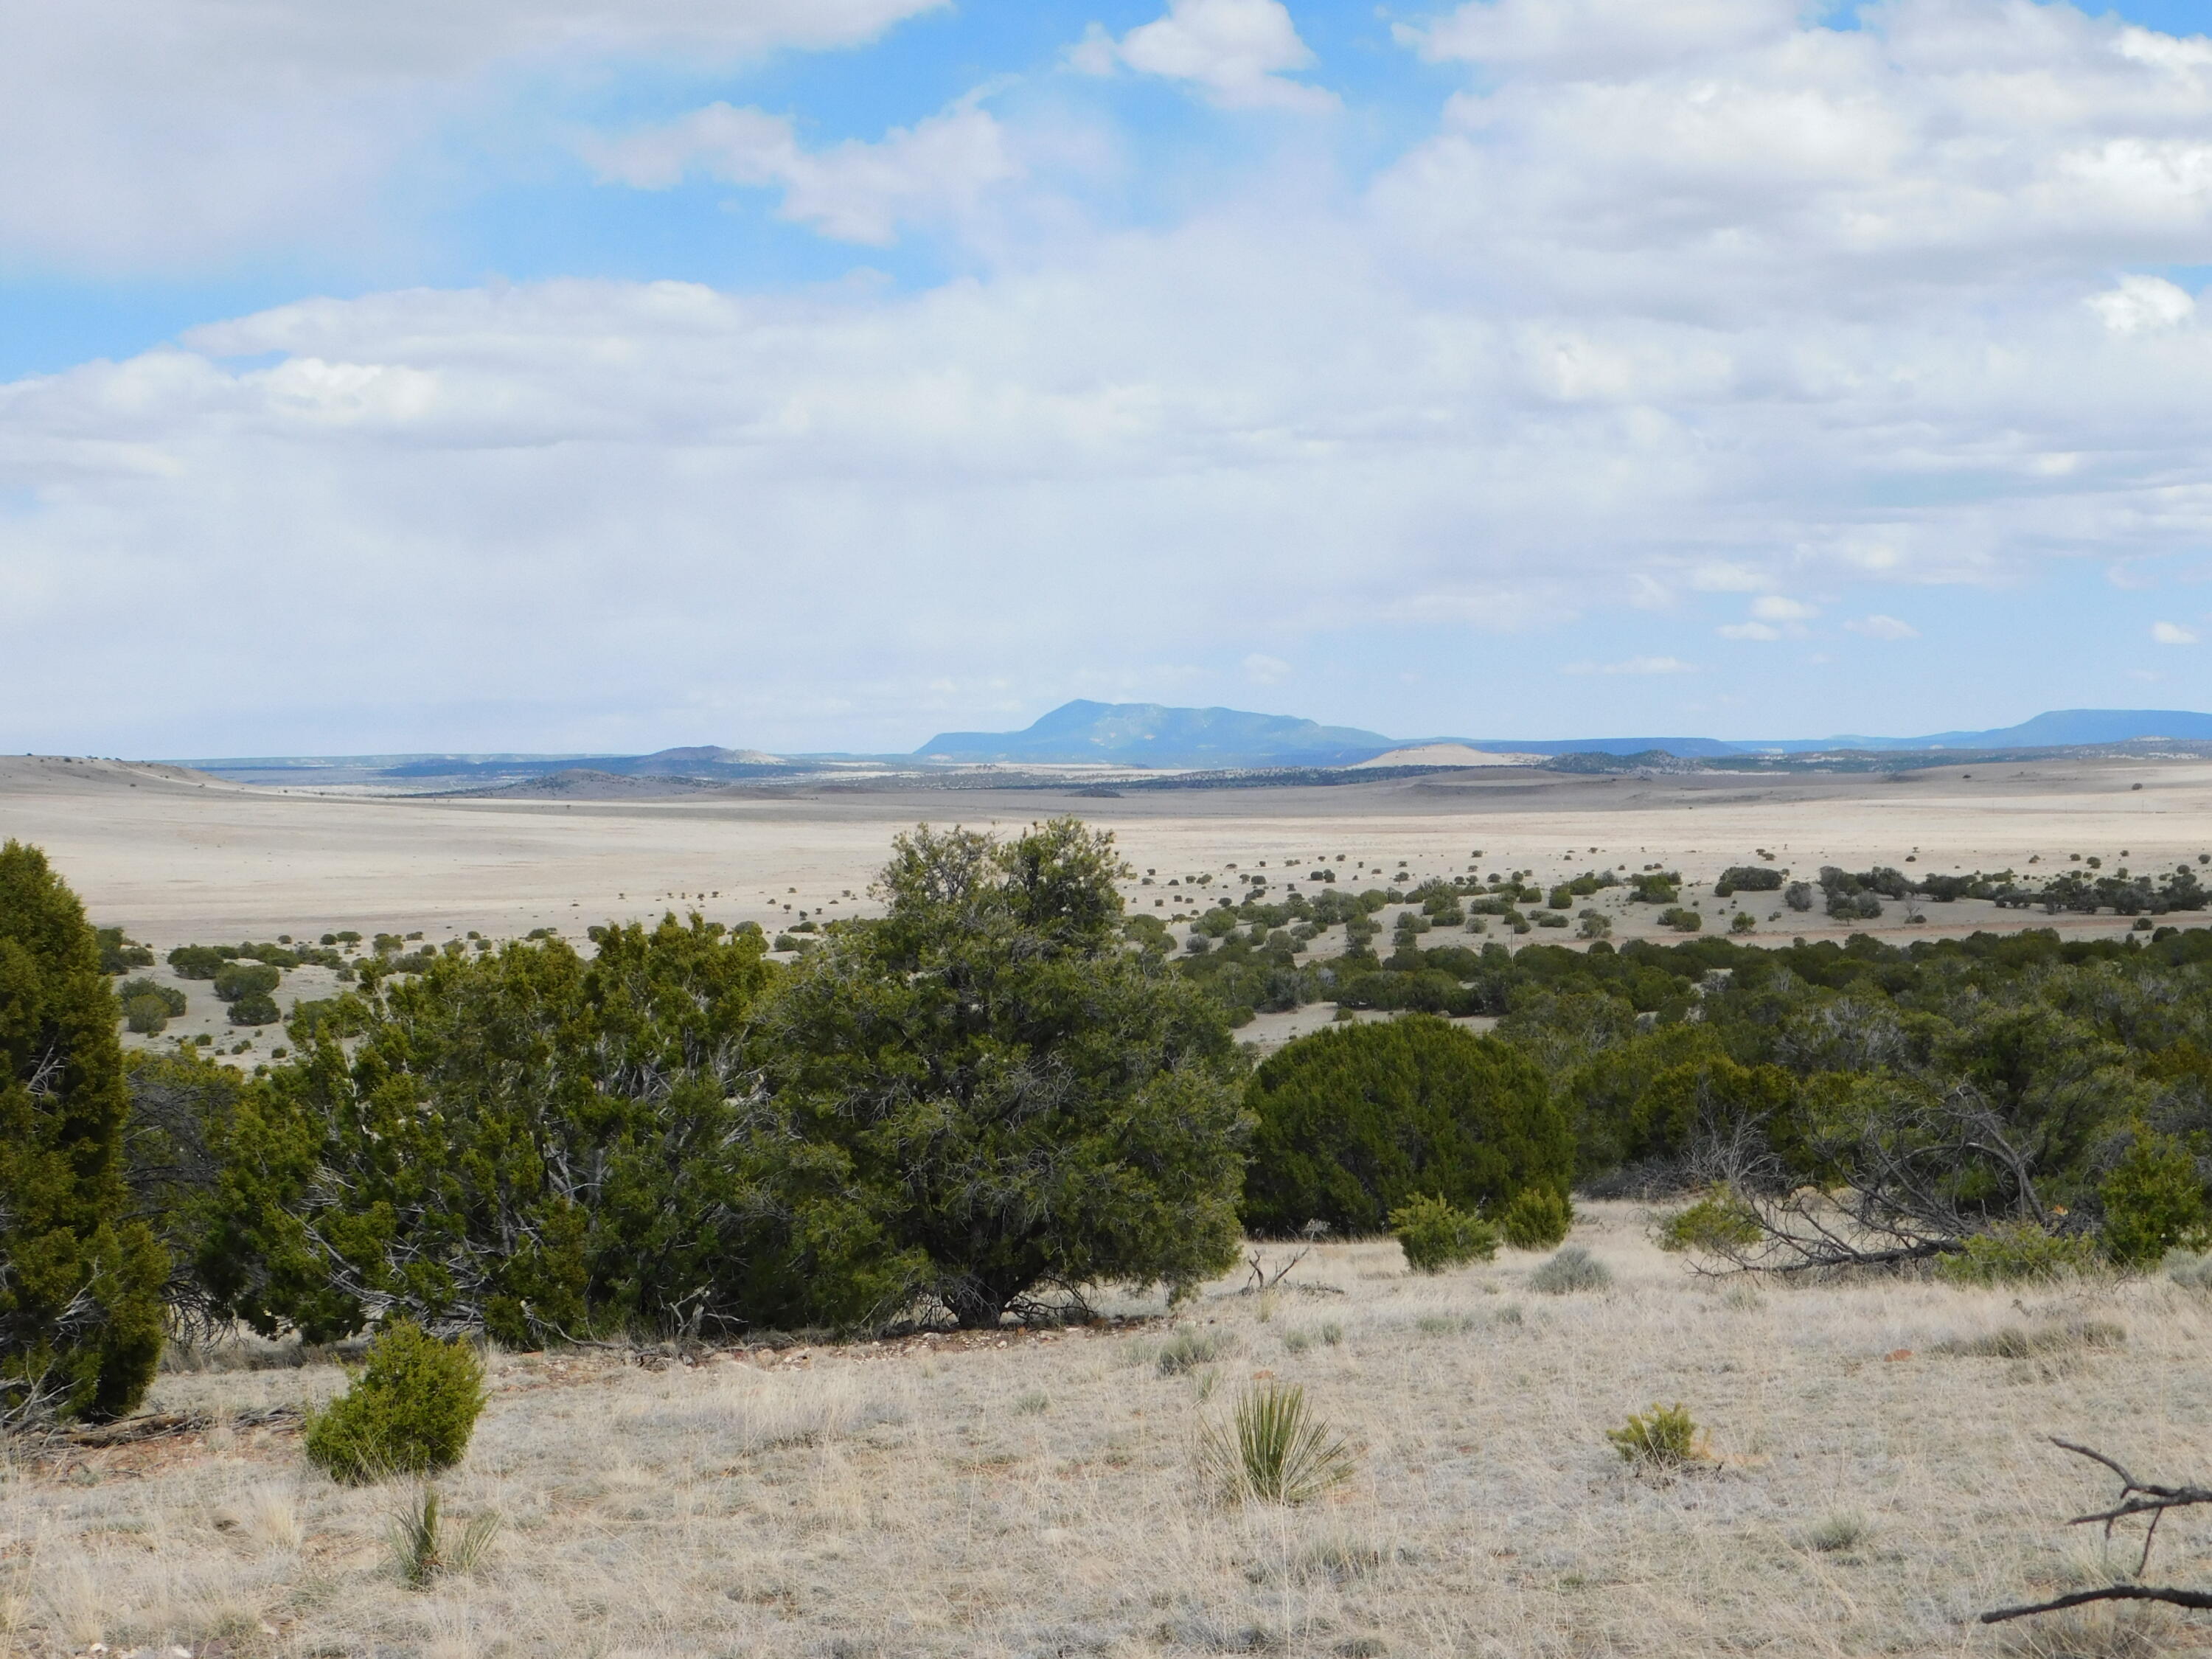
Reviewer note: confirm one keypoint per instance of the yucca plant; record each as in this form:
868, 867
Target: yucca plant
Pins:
419, 1546
1276, 1449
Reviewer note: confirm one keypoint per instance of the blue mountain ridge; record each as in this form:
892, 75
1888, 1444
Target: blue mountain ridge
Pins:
1156, 734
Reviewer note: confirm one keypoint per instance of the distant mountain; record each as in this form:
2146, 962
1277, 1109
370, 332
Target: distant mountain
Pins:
2060, 728
1152, 734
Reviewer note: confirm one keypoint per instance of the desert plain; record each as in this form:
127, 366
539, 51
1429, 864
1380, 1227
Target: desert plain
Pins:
1875, 1465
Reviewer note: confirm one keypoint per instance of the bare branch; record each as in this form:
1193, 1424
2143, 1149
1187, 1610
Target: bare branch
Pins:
2137, 1496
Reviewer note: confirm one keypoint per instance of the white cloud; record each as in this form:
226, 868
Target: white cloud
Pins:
2141, 305
1262, 669
145, 133
1633, 665
1773, 607
937, 169
1803, 316
1599, 37
1879, 627
2167, 633
1237, 51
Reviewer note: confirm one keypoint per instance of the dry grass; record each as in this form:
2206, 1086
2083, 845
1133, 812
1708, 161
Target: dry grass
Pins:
1035, 1496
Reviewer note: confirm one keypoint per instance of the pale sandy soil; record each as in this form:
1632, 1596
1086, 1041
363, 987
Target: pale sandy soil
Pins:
176, 860
1037, 1495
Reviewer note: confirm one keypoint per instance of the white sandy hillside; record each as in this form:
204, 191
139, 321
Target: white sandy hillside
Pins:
1445, 754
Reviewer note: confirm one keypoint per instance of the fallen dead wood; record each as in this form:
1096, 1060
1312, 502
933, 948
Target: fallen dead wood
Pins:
154, 1425
2137, 1497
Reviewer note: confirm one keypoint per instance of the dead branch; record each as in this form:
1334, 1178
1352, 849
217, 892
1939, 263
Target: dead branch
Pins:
154, 1425
1261, 1281
2137, 1497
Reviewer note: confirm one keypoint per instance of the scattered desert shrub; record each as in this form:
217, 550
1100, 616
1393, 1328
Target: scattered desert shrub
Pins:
422, 1549
2011, 1253
1719, 1223
410, 1411
255, 1008
119, 954
1277, 1449
1831, 1534
1664, 1438
1798, 895
174, 1002
1573, 1269
1680, 920
1536, 1219
2028, 1342
2190, 1269
1354, 1121
235, 980
2154, 1200
1187, 1350
1435, 1236
1747, 878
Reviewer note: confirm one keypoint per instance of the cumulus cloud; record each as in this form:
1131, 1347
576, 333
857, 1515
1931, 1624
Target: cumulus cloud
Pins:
1810, 314
1578, 38
2167, 633
2140, 305
936, 170
145, 133
1879, 627
1774, 607
1238, 51
1263, 669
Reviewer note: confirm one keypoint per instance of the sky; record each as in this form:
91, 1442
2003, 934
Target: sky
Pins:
604, 375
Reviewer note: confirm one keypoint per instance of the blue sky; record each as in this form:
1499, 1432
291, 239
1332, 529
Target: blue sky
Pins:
821, 374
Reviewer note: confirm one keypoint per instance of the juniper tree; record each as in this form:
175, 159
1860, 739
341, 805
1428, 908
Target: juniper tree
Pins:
80, 1283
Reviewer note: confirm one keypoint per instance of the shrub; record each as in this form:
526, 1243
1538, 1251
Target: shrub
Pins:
1595, 924
1839, 1531
237, 980
119, 954
172, 1000
410, 1411
1719, 1223
1573, 1269
2152, 1199
1747, 878
1798, 895
2191, 1269
419, 1546
201, 961
1435, 1236
1536, 1219
1280, 1450
1355, 1120
2015, 1251
146, 1015
81, 1314
256, 1008
1666, 1438
1187, 1350
1743, 922
1680, 920
2025, 1342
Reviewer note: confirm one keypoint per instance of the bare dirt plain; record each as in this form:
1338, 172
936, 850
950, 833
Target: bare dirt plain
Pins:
174, 857
1878, 1471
